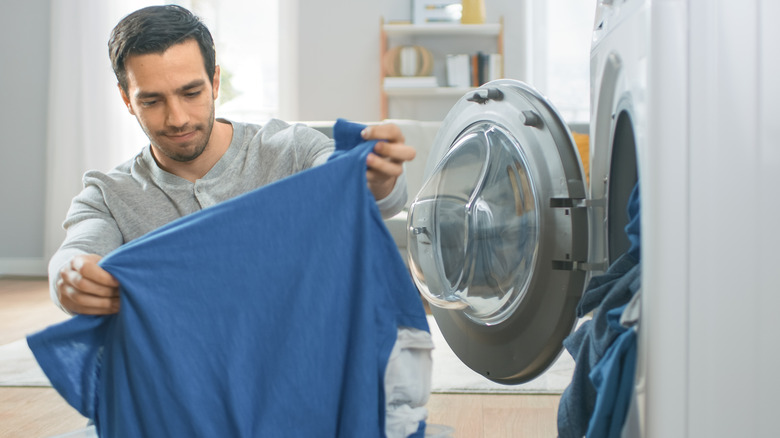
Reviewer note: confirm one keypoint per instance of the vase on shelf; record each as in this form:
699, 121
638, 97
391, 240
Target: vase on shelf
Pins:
473, 12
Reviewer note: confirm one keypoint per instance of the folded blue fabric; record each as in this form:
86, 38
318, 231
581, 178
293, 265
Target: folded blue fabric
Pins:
269, 315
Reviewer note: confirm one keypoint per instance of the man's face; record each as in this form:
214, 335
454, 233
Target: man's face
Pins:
173, 99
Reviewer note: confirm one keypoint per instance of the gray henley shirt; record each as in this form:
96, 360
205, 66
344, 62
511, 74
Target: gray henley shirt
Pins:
137, 196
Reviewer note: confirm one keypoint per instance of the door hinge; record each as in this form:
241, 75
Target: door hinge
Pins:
482, 96
576, 202
572, 265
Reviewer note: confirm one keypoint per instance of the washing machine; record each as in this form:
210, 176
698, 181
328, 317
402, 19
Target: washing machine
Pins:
506, 231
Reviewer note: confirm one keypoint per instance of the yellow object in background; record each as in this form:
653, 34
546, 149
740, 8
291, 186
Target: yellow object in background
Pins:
473, 12
583, 146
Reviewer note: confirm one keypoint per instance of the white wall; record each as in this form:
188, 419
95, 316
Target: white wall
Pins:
24, 30
334, 47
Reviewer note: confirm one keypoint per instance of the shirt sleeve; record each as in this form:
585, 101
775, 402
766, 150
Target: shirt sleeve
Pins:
90, 229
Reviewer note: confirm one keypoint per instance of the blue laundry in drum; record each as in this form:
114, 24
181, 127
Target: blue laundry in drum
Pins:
613, 378
269, 315
633, 228
582, 401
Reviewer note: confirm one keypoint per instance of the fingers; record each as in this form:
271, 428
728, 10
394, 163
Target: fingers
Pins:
382, 175
385, 164
84, 287
385, 131
391, 145
397, 152
379, 167
83, 303
87, 266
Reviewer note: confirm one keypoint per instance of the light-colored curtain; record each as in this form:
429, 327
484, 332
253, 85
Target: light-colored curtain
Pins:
88, 124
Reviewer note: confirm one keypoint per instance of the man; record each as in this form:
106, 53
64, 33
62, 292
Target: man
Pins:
164, 61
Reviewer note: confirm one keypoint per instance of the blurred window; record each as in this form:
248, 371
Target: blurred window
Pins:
246, 34
562, 33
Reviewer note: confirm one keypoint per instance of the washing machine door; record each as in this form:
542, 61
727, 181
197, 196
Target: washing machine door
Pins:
498, 233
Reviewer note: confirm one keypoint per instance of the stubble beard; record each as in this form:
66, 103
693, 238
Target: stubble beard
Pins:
199, 147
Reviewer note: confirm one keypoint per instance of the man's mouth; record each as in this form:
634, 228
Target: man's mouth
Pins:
182, 136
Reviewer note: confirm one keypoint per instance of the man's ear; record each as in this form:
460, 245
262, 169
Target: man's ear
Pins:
215, 83
125, 99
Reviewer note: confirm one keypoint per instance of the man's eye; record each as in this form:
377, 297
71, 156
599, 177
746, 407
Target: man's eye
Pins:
148, 103
193, 94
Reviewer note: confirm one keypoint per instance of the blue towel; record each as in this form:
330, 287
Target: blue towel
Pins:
269, 315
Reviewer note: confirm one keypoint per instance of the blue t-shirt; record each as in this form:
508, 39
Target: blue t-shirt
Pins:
272, 314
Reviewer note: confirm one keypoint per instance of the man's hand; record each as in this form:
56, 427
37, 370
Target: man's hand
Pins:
385, 164
84, 287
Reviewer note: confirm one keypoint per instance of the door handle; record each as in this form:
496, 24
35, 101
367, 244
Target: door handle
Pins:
482, 96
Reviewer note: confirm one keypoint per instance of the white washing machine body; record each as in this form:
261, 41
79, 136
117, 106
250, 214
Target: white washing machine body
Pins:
620, 53
619, 57
695, 81
685, 101
707, 357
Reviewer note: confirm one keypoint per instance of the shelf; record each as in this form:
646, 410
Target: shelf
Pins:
426, 91
490, 29
440, 39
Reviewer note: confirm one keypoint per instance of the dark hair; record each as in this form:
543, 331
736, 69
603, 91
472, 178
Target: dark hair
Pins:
153, 30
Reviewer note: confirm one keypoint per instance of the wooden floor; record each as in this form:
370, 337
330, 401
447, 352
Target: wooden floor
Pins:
40, 412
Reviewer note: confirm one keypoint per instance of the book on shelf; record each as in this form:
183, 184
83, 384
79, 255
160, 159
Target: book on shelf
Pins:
486, 67
495, 66
465, 70
410, 82
459, 70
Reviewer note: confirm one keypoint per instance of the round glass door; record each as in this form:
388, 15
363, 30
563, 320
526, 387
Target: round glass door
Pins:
497, 235
474, 227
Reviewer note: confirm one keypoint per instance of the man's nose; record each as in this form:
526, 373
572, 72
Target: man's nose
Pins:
177, 114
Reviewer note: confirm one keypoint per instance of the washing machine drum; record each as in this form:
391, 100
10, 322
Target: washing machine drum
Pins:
498, 235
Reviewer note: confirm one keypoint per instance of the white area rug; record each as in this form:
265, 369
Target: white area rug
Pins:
19, 368
450, 375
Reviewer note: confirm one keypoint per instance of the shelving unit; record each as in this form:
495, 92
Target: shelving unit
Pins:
441, 39
432, 91
489, 29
